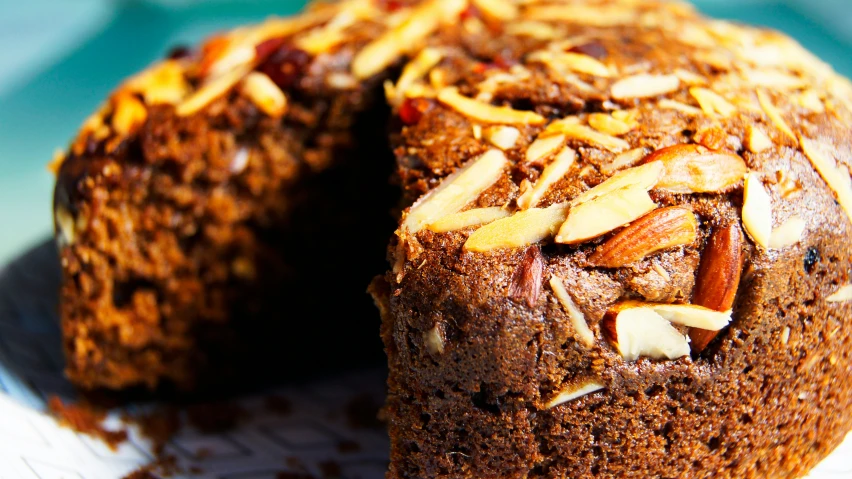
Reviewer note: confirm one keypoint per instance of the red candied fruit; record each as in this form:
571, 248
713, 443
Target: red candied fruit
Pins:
592, 49
390, 5
284, 65
470, 12
411, 110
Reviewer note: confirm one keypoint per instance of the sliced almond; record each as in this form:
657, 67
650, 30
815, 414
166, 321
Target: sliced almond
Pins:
265, 94
834, 175
552, 173
518, 230
593, 15
164, 83
578, 320
690, 78
503, 137
789, 233
668, 104
434, 340
645, 176
774, 114
810, 100
756, 140
485, 112
457, 190
690, 315
542, 147
775, 80
605, 213
843, 293
526, 282
414, 71
712, 103
624, 160
639, 332
757, 211
569, 61
695, 169
129, 114
644, 85
210, 91
473, 217
609, 125
574, 392
532, 29
571, 129
660, 229
498, 9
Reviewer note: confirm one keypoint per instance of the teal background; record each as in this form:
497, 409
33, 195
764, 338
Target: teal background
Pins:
59, 59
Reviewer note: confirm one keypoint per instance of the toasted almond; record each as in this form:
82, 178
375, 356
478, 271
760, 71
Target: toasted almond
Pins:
501, 10
162, 84
668, 104
833, 174
532, 29
690, 78
639, 332
487, 113
542, 147
521, 229
593, 15
572, 129
434, 340
690, 315
695, 169
624, 160
569, 61
552, 173
456, 190
129, 114
775, 79
472, 217
756, 140
810, 100
608, 124
574, 392
526, 282
414, 71
712, 103
605, 213
843, 293
789, 233
644, 85
757, 211
774, 114
209, 92
501, 136
265, 94
645, 176
660, 229
578, 320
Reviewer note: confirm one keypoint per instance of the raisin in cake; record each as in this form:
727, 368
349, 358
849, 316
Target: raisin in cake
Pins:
628, 253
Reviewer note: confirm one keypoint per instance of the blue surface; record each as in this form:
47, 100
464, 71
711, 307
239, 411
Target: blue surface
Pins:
59, 59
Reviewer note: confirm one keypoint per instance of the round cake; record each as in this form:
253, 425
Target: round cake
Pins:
623, 246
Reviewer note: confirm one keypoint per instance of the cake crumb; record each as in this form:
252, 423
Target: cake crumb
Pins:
85, 419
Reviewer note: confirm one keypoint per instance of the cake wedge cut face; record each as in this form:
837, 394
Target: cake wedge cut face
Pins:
653, 284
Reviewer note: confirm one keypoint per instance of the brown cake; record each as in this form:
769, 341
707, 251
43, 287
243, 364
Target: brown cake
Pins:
630, 255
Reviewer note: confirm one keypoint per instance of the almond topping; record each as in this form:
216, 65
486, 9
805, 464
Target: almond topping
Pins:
756, 140
162, 84
503, 137
456, 190
265, 94
210, 91
573, 62
774, 115
526, 282
644, 86
607, 124
542, 147
594, 15
712, 103
414, 71
658, 230
834, 175
624, 160
129, 114
695, 169
668, 104
499, 9
844, 293
605, 213
788, 234
570, 128
536, 30
757, 211
521, 229
551, 174
645, 176
473, 217
690, 315
690, 78
775, 79
573, 393
578, 320
639, 332
810, 100
485, 112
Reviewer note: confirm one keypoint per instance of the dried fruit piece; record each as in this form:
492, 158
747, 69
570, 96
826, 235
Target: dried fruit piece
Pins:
503, 137
756, 140
526, 282
712, 103
660, 229
833, 174
788, 234
434, 340
608, 124
774, 115
574, 392
695, 169
843, 293
485, 112
624, 160
265, 94
473, 217
644, 85
572, 129
605, 213
639, 332
520, 229
712, 137
129, 114
456, 190
210, 91
542, 147
757, 211
646, 176
577, 318
552, 173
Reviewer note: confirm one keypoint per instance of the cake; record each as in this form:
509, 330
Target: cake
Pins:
622, 249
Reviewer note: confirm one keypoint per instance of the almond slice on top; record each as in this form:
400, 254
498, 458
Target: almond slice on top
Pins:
605, 213
265, 94
712, 103
551, 174
834, 175
624, 160
574, 392
571, 128
578, 320
757, 211
456, 190
690, 315
639, 332
472, 217
521, 229
414, 71
597, 15
646, 176
609, 125
486, 112
788, 233
575, 62
696, 169
660, 229
644, 85
210, 91
499, 9
774, 114
542, 147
